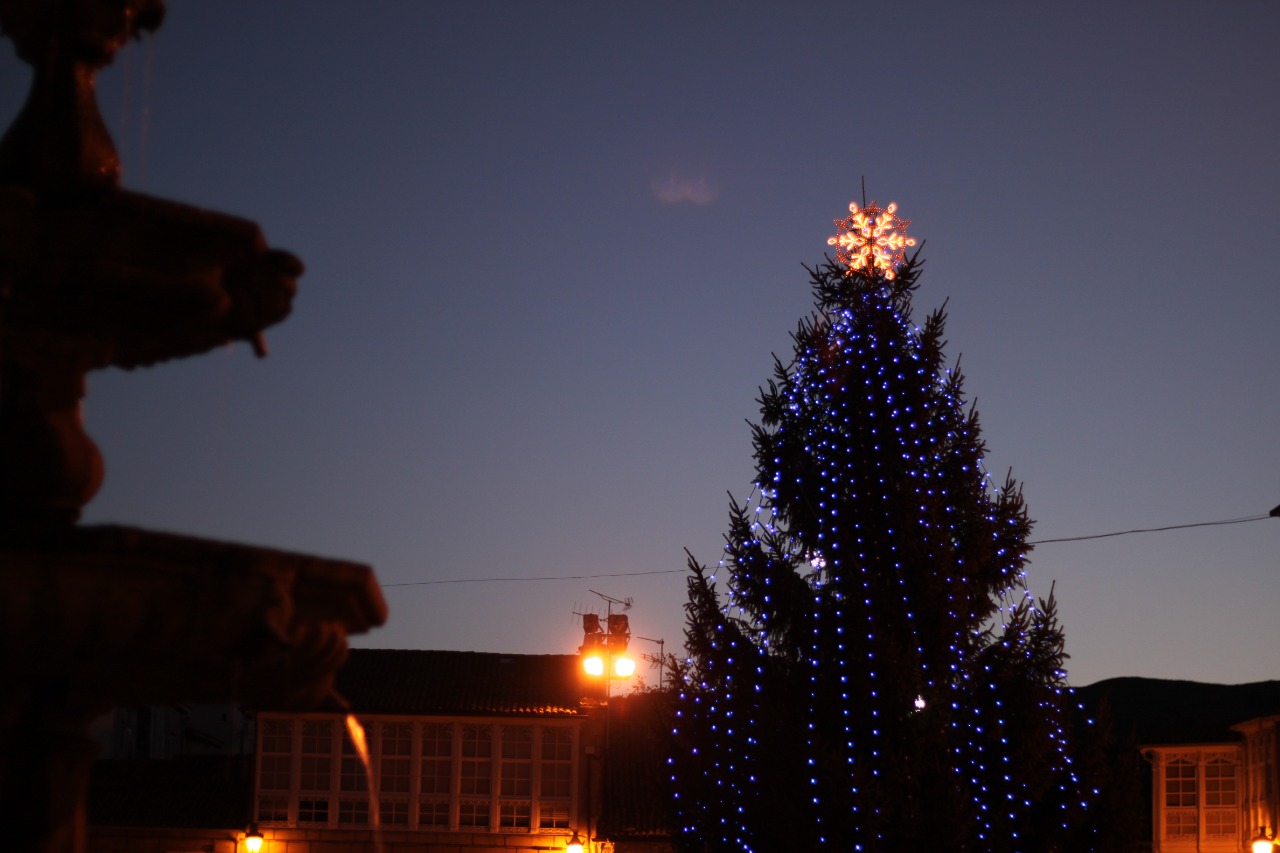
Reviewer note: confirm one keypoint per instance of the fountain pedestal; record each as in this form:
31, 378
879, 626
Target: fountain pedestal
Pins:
91, 276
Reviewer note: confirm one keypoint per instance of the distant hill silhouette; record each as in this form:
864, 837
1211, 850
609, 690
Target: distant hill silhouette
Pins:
1163, 711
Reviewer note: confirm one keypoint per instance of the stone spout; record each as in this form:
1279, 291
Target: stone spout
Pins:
92, 275
110, 278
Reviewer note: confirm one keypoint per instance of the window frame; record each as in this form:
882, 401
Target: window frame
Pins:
1198, 797
490, 804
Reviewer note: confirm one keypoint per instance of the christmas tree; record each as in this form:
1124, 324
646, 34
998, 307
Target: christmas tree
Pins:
868, 670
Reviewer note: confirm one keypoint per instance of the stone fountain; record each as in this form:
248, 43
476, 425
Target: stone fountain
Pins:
91, 276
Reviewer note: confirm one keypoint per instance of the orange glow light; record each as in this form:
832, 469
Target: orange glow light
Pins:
624, 667
594, 665
871, 239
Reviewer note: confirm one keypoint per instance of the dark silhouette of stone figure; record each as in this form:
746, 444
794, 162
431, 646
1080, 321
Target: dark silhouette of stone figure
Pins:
91, 276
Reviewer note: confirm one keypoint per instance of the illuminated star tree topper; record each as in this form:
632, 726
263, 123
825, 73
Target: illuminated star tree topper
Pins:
871, 238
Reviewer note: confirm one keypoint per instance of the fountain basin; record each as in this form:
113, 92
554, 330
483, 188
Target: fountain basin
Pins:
123, 616
98, 617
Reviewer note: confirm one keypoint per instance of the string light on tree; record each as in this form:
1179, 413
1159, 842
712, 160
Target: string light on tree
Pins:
867, 669
871, 239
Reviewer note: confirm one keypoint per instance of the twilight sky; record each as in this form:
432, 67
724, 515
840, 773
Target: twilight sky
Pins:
551, 246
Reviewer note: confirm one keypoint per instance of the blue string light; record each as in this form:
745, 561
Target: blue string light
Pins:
873, 660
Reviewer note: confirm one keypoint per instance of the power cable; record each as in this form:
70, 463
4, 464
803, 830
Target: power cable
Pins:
1149, 530
1275, 513
551, 578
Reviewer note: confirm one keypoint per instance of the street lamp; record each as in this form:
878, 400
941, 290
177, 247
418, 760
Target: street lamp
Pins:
1262, 842
624, 667
593, 650
606, 650
604, 655
253, 839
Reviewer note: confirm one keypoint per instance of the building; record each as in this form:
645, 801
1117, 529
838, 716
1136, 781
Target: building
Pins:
1218, 795
1212, 756
467, 752
464, 752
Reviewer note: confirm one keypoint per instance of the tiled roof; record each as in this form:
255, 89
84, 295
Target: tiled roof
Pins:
397, 681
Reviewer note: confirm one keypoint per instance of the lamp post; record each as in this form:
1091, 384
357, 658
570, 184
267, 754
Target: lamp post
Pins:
604, 649
604, 655
1262, 842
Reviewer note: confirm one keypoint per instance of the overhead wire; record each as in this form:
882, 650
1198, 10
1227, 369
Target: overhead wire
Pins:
1149, 530
1273, 514
549, 578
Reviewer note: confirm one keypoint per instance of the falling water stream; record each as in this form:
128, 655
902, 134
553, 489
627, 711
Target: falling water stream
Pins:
133, 129
361, 744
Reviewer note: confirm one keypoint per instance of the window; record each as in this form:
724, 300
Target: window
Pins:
517, 761
353, 786
516, 777
437, 759
1220, 800
311, 810
436, 775
513, 814
472, 813
1220, 783
1180, 823
1220, 823
556, 779
276, 761
394, 755
394, 813
273, 809
1180, 784
433, 813
477, 752
1201, 798
354, 776
316, 763
431, 775
353, 812
1181, 819
476, 776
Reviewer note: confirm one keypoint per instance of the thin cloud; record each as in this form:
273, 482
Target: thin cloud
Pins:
676, 189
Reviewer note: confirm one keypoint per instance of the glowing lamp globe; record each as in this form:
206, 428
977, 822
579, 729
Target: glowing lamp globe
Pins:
1261, 843
253, 839
575, 844
624, 667
593, 665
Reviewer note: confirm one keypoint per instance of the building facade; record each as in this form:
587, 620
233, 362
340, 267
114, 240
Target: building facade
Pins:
1216, 797
471, 782
456, 751
428, 751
